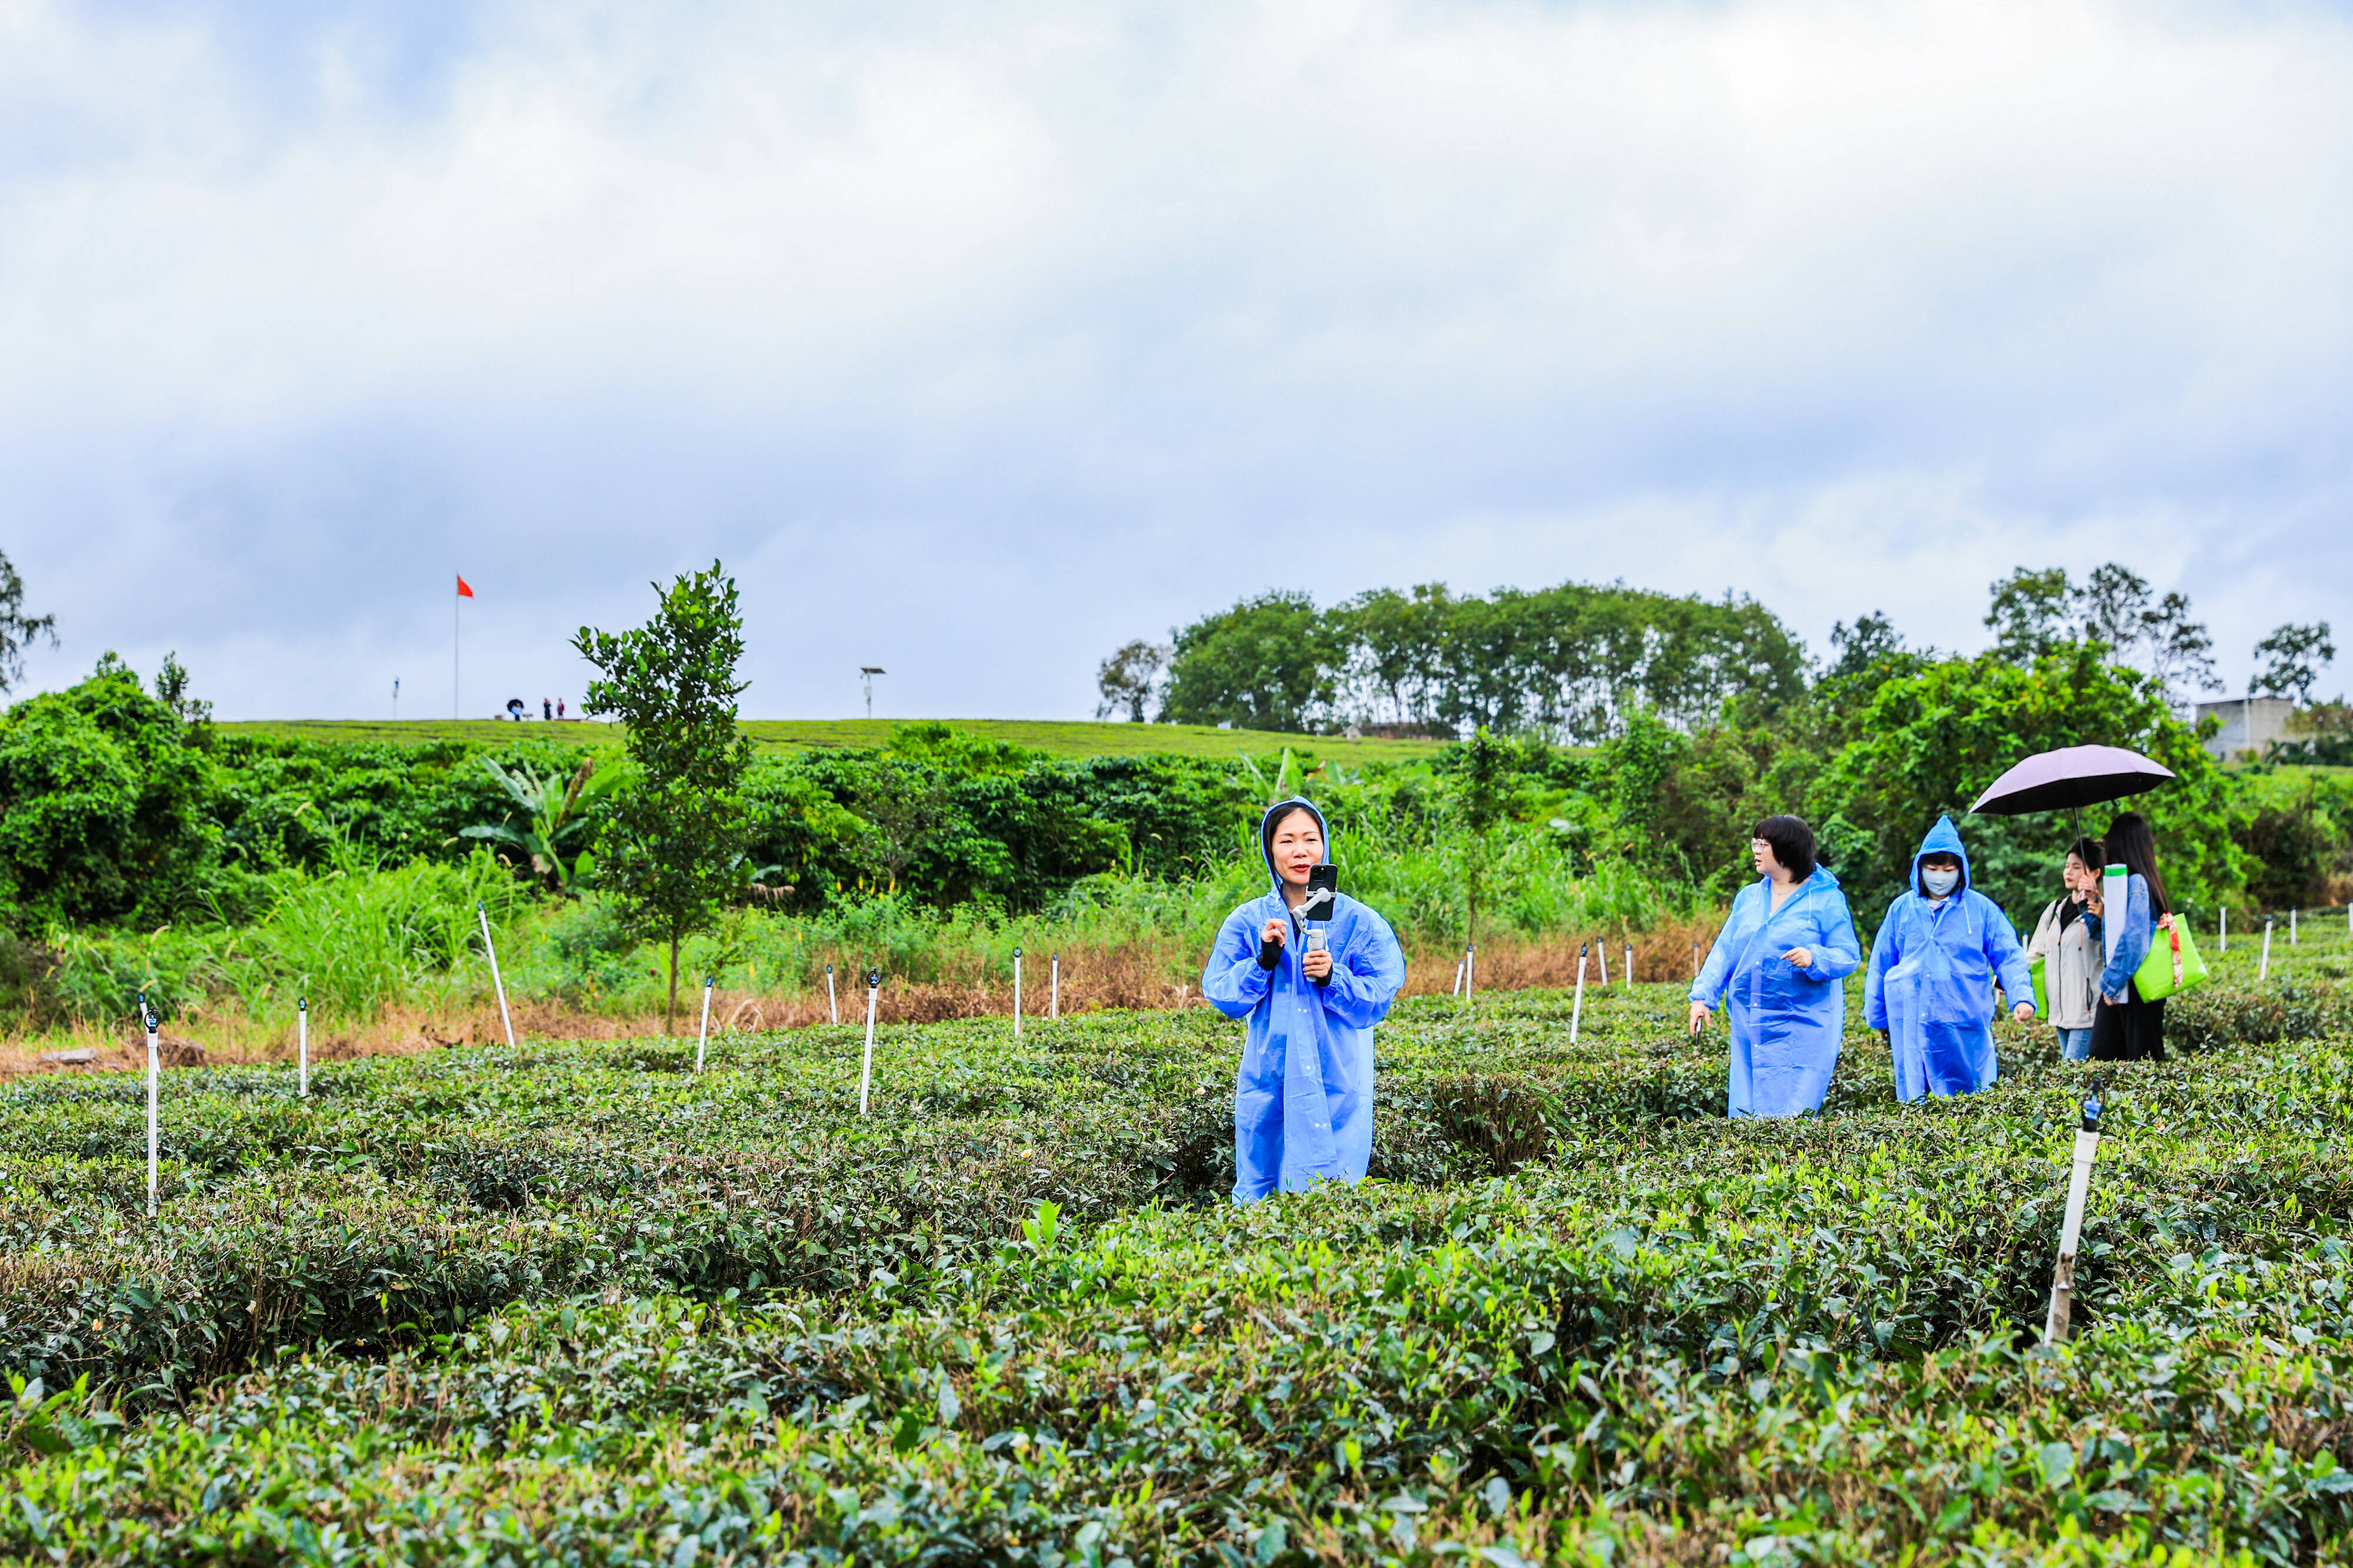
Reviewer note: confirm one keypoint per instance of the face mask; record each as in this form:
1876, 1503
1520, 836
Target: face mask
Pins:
1941, 879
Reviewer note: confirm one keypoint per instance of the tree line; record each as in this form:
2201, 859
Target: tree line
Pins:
1571, 662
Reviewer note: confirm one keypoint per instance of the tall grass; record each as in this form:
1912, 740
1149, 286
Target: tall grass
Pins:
365, 938
351, 941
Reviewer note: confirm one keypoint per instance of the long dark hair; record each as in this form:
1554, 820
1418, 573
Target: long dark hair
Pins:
1792, 842
2090, 853
2131, 845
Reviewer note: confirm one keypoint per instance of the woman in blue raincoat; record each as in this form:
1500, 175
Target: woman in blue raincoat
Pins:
1304, 1098
1780, 962
1933, 968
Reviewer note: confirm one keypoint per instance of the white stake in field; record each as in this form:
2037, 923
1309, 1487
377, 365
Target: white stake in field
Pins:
497, 984
1629, 966
1017, 992
832, 1003
1605, 965
1056, 1005
155, 1045
2263, 970
703, 1034
1576, 1008
1470, 969
866, 1073
2071, 1230
302, 1046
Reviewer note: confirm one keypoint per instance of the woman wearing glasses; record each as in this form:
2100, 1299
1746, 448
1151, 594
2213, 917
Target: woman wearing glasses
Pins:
1778, 962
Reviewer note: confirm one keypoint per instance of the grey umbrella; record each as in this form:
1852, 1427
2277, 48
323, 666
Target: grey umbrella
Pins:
2070, 776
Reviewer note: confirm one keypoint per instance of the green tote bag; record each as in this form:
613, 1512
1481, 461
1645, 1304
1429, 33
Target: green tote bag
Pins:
2172, 965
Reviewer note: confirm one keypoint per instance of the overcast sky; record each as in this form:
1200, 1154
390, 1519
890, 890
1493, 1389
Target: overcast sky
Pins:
977, 340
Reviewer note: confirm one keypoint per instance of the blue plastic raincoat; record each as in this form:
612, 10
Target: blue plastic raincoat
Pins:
1933, 968
1786, 1021
1304, 1098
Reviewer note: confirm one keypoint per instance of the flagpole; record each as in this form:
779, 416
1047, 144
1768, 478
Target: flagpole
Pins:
454, 598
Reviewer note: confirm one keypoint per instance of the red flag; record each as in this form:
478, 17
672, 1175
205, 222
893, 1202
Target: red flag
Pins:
464, 592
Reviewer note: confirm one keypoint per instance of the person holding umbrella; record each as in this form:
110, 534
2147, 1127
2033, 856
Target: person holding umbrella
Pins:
1939, 953
1781, 963
2067, 940
2124, 1028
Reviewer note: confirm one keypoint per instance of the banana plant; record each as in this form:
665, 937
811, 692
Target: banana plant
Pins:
557, 821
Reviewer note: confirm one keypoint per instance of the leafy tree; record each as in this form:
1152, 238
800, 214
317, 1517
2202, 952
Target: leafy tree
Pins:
18, 631
2154, 635
1483, 802
1269, 663
1128, 679
2297, 654
1932, 741
2031, 614
173, 689
673, 848
103, 806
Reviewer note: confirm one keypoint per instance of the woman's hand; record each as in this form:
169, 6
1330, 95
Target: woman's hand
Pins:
1698, 1016
1316, 965
2023, 1012
1271, 934
1798, 958
2117, 1001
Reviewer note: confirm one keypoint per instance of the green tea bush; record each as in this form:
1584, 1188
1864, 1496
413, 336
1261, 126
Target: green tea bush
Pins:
577, 1304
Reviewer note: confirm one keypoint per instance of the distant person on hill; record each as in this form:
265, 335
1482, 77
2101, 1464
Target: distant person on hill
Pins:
2067, 940
1312, 986
1780, 963
1932, 968
546, 711
559, 708
2124, 1028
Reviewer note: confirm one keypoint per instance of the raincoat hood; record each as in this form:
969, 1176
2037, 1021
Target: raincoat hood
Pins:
1943, 839
1276, 812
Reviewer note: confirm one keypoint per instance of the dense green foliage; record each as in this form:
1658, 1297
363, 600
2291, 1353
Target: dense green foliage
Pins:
137, 840
578, 1303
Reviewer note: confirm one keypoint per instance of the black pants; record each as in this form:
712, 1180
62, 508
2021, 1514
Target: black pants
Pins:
2132, 1033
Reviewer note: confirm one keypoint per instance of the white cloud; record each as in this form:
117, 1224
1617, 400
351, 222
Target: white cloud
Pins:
981, 340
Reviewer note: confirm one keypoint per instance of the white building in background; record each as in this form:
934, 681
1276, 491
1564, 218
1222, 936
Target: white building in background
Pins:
2249, 723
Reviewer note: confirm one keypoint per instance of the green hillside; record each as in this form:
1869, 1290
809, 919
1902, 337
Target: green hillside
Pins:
1074, 738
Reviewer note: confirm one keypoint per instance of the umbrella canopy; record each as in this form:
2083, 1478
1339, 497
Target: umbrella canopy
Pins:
2070, 776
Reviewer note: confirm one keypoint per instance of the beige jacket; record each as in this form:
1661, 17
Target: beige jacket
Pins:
2072, 962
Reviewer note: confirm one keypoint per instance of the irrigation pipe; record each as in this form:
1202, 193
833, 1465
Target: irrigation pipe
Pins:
496, 984
2071, 1230
866, 1073
703, 1034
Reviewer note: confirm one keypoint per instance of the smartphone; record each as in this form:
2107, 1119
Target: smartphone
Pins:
1323, 883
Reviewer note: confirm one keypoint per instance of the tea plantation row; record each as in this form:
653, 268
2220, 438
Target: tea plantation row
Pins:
574, 1303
